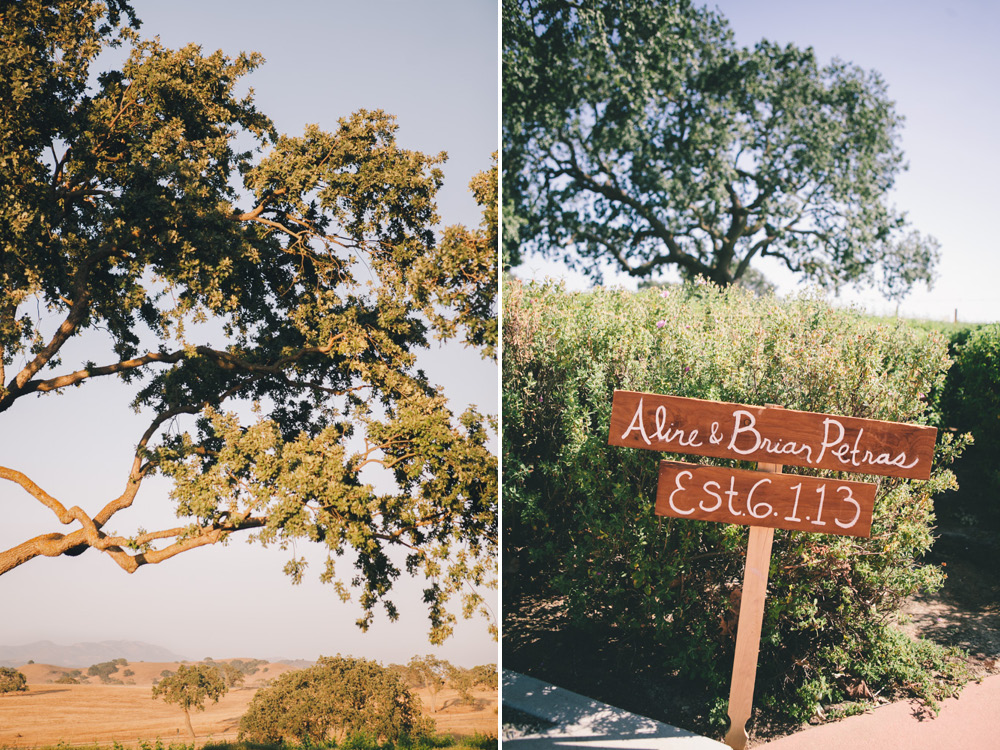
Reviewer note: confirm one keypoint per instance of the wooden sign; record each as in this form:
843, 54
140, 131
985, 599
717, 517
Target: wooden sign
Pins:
673, 424
753, 498
765, 499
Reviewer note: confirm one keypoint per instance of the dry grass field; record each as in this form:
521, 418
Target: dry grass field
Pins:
48, 713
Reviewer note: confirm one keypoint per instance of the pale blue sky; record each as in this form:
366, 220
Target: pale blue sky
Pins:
941, 62
434, 66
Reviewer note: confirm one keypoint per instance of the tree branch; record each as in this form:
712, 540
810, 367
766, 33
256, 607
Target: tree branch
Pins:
80, 375
90, 535
37, 492
77, 314
229, 358
79, 309
54, 545
259, 208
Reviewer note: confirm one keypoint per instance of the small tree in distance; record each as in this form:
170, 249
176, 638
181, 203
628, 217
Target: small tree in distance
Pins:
429, 672
189, 687
463, 681
486, 676
232, 675
12, 681
105, 669
249, 666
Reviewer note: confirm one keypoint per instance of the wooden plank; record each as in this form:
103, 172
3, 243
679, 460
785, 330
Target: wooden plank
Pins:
672, 424
755, 574
754, 498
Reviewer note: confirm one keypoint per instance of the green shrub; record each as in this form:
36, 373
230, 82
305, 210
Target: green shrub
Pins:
338, 697
971, 403
359, 741
104, 670
247, 667
12, 681
486, 675
480, 741
578, 514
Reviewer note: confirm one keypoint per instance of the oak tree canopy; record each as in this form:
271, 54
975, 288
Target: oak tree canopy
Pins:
261, 296
337, 698
638, 135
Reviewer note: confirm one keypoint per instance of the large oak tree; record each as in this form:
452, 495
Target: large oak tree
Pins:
265, 296
337, 698
639, 135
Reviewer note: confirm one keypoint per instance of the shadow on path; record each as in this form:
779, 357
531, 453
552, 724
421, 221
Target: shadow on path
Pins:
550, 716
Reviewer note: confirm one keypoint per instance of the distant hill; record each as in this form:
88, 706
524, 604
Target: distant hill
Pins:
83, 654
133, 674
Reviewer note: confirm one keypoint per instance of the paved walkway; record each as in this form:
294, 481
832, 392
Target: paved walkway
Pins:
563, 718
972, 720
566, 719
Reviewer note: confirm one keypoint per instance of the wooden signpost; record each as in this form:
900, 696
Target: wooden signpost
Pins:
672, 424
765, 499
775, 500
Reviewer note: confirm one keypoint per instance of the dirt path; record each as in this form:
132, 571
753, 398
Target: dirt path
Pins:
966, 612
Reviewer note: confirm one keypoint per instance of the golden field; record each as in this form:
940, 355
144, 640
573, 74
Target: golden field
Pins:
48, 714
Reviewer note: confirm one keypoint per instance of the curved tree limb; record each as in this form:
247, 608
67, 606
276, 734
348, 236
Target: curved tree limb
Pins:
54, 545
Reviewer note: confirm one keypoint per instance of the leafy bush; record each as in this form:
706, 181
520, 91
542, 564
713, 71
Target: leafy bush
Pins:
486, 675
337, 698
104, 670
464, 681
247, 666
360, 741
12, 681
71, 677
971, 402
578, 513
232, 675
480, 741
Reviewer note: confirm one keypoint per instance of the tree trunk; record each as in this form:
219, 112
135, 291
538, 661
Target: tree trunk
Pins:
433, 693
187, 718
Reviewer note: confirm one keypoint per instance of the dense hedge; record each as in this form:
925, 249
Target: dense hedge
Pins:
578, 514
971, 403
